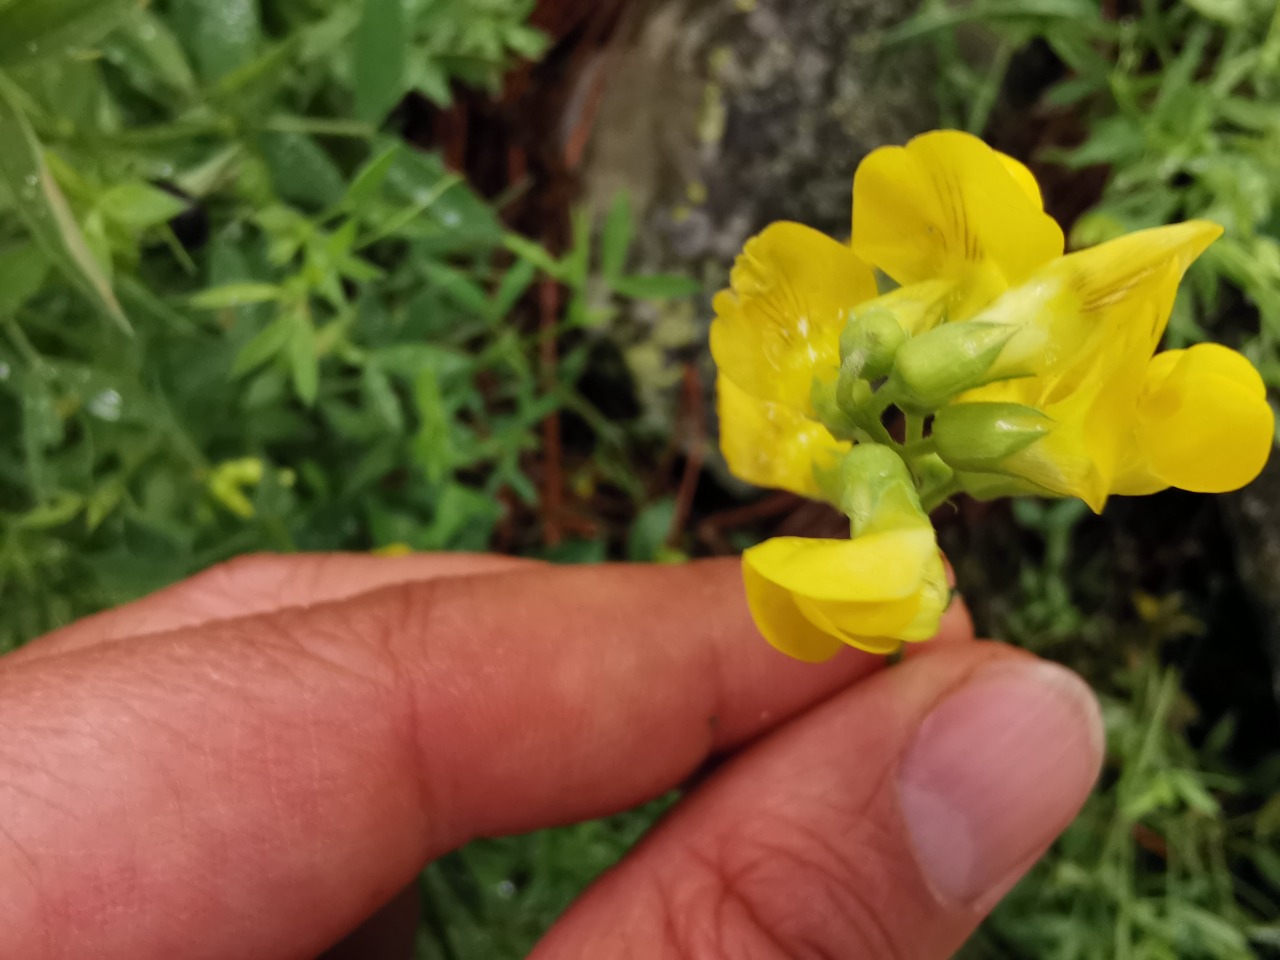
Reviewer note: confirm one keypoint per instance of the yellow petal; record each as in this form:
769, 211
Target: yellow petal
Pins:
1204, 423
935, 598
867, 626
873, 568
771, 445
780, 621
1089, 324
948, 206
1024, 178
879, 623
780, 322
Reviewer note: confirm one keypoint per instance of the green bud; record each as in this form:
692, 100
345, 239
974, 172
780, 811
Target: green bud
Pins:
853, 393
991, 486
877, 491
931, 473
934, 367
870, 341
982, 436
824, 398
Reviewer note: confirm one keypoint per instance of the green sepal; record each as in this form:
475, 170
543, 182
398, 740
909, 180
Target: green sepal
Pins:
982, 436
931, 369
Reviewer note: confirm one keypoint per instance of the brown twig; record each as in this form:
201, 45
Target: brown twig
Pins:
552, 450
695, 417
772, 506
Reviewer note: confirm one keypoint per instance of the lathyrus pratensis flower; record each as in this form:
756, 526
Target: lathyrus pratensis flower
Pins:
1038, 372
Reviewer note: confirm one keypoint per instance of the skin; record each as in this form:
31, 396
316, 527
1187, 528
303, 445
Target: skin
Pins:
255, 763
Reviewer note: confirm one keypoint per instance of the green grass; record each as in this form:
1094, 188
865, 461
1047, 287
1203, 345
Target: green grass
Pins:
238, 311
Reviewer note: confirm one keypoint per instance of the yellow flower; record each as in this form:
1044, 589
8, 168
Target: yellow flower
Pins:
811, 597
1203, 424
948, 207
780, 322
885, 587
772, 445
1087, 326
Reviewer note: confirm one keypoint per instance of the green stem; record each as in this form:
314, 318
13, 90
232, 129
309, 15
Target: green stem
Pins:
914, 428
931, 500
914, 449
24, 346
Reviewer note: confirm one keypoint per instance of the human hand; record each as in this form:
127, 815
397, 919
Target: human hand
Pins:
252, 763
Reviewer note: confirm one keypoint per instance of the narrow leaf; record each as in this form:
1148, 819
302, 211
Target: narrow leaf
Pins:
382, 50
618, 232
45, 211
659, 286
304, 363
22, 273
236, 295
39, 29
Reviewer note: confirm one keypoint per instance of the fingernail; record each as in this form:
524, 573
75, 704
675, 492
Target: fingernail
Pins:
996, 772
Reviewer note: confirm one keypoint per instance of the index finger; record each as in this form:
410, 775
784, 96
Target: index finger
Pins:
267, 782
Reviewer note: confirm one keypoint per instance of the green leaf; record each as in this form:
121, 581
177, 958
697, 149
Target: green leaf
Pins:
934, 20
263, 347
64, 506
23, 270
369, 179
1231, 12
236, 295
148, 52
301, 171
381, 397
577, 552
304, 362
616, 242
458, 288
433, 445
409, 359
515, 283
428, 77
140, 206
658, 286
381, 52
103, 502
534, 253
41, 205
39, 29
222, 35
649, 533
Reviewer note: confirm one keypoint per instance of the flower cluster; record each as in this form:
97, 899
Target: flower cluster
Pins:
1015, 369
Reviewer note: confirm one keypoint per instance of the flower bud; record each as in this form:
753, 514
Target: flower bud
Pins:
877, 491
824, 397
982, 436
870, 340
992, 486
933, 368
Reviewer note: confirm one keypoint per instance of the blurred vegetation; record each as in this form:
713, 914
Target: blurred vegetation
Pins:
236, 315
241, 309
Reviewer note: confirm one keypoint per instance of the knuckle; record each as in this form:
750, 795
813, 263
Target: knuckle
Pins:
775, 888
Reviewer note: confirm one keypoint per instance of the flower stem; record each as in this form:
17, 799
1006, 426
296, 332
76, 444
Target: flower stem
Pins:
918, 448
931, 500
914, 429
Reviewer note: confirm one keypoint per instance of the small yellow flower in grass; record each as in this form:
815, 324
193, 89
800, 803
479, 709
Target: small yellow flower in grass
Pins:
230, 480
948, 207
393, 550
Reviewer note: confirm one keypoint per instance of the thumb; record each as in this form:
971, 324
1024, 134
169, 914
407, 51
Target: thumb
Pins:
884, 824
